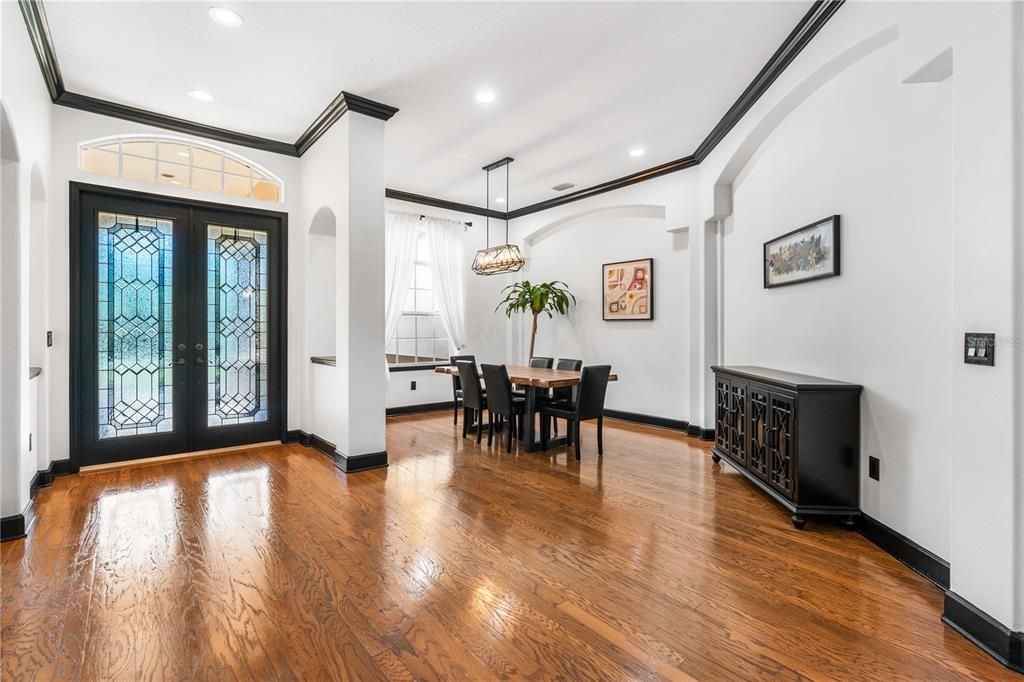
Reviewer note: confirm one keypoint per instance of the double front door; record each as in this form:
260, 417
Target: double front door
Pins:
178, 338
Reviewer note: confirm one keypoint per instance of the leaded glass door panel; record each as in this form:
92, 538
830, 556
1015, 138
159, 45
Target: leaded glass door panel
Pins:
176, 345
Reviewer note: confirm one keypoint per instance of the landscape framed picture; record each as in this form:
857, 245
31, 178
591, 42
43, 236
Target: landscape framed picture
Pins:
628, 290
808, 253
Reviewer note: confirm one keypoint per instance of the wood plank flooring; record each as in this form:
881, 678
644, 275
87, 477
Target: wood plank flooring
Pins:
457, 562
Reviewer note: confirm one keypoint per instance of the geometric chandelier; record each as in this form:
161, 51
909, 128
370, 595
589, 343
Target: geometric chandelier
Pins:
506, 257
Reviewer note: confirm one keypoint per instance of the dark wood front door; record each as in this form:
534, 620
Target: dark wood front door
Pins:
178, 334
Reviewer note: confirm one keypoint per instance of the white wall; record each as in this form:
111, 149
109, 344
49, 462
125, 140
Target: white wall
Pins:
26, 155
72, 127
649, 357
431, 387
877, 152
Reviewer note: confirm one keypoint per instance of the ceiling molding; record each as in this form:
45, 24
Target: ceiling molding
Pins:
810, 24
39, 33
341, 104
399, 195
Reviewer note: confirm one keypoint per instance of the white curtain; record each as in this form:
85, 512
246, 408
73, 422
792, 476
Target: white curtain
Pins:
445, 239
399, 263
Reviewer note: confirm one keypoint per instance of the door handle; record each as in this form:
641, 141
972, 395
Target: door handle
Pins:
179, 361
199, 361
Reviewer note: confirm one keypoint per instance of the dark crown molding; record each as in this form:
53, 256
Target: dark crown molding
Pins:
810, 24
42, 43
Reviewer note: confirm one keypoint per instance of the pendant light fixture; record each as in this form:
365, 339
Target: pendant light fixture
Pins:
506, 257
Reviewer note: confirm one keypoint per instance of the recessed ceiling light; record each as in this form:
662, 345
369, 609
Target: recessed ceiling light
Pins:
200, 95
636, 151
226, 17
500, 200
485, 96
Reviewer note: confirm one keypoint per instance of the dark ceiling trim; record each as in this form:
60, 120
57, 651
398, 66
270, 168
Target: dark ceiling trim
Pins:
344, 102
39, 33
812, 22
399, 195
127, 113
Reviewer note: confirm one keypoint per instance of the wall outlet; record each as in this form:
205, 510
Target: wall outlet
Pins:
412, 385
873, 465
49, 339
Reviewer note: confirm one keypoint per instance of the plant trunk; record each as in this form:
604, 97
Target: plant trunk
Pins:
533, 337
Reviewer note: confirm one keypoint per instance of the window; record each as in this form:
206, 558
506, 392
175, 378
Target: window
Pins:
421, 334
177, 161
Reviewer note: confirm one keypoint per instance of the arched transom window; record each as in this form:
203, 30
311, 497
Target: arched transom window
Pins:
177, 161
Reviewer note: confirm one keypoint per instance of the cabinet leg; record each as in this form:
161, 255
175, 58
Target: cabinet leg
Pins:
798, 521
715, 458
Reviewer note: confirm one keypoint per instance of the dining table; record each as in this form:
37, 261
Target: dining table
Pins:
532, 380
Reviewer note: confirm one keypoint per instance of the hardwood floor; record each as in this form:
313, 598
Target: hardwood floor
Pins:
457, 562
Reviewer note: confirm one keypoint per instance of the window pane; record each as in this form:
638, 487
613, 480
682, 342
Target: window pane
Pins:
201, 158
115, 147
266, 191
423, 277
406, 327
232, 166
134, 168
407, 348
102, 163
424, 301
146, 149
422, 249
175, 153
240, 187
174, 174
440, 349
205, 180
425, 349
410, 302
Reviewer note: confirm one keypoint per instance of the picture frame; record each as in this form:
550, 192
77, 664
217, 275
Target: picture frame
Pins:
627, 290
808, 253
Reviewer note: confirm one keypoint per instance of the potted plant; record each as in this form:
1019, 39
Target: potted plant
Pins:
548, 297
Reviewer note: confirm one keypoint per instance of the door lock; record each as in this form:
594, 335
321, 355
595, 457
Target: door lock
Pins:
182, 346
199, 346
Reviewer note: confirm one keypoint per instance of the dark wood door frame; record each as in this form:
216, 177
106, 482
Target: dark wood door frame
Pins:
77, 364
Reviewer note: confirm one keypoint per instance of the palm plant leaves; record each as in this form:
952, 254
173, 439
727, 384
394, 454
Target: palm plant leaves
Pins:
547, 297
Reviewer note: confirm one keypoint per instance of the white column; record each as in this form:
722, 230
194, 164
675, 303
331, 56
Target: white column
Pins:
360, 443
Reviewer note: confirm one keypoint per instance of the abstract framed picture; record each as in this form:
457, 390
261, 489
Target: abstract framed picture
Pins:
628, 290
808, 253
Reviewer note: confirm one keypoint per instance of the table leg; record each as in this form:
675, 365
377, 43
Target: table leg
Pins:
528, 419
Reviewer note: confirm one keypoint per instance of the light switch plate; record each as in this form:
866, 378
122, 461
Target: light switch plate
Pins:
980, 349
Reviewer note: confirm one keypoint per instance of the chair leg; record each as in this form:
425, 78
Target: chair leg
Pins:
479, 414
554, 425
490, 428
509, 434
465, 422
576, 437
600, 435
456, 402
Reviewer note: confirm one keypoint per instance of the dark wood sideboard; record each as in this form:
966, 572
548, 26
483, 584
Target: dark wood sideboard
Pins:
796, 437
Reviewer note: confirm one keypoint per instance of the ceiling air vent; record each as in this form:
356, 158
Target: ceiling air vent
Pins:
564, 186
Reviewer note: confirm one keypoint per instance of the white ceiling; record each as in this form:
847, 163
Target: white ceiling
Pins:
578, 83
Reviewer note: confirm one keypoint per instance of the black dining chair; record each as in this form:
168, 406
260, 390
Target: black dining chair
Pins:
541, 362
457, 382
589, 404
473, 397
563, 393
502, 404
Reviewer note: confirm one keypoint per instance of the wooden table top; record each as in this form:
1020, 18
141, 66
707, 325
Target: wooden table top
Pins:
533, 376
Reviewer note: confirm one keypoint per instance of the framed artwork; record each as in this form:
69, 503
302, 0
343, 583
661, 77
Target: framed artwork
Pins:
809, 253
628, 290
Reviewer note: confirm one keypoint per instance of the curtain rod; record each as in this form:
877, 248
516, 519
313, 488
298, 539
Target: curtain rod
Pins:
468, 223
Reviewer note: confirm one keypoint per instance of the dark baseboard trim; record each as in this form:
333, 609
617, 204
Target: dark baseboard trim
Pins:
62, 467
695, 431
422, 407
913, 555
355, 464
350, 465
17, 525
997, 640
648, 420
